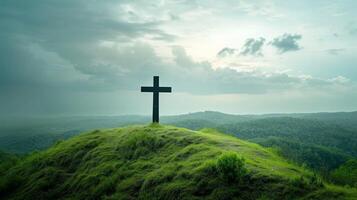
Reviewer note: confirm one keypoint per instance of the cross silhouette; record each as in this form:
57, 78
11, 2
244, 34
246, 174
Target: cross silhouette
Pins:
156, 89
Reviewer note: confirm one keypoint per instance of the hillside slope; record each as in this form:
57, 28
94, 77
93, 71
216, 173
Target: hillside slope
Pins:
161, 162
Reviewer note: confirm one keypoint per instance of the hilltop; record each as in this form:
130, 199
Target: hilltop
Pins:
161, 162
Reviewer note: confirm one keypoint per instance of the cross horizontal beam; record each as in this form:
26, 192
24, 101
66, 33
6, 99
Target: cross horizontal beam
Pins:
155, 89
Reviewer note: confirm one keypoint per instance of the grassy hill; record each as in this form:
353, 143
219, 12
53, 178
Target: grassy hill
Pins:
346, 173
161, 162
321, 141
7, 161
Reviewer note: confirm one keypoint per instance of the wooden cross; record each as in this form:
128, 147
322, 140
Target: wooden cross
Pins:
156, 89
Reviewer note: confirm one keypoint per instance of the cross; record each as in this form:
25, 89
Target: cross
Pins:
156, 89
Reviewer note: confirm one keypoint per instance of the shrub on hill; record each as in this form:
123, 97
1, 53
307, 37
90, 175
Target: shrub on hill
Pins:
230, 167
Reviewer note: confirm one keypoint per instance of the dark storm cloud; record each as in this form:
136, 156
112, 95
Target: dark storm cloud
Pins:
49, 54
68, 30
72, 28
253, 47
72, 20
286, 42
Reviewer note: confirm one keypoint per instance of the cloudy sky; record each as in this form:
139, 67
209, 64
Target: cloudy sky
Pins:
90, 57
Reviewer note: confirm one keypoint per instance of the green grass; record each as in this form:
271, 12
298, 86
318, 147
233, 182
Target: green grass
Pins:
161, 162
346, 173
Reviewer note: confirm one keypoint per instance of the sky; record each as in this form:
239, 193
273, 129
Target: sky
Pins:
90, 57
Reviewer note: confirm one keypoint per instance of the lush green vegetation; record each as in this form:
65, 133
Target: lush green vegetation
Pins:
7, 161
346, 173
318, 145
319, 141
230, 167
318, 158
161, 162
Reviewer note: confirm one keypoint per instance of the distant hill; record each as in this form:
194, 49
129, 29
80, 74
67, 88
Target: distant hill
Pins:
161, 162
345, 119
211, 116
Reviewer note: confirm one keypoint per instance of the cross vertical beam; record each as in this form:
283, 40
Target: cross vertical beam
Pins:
155, 107
156, 89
